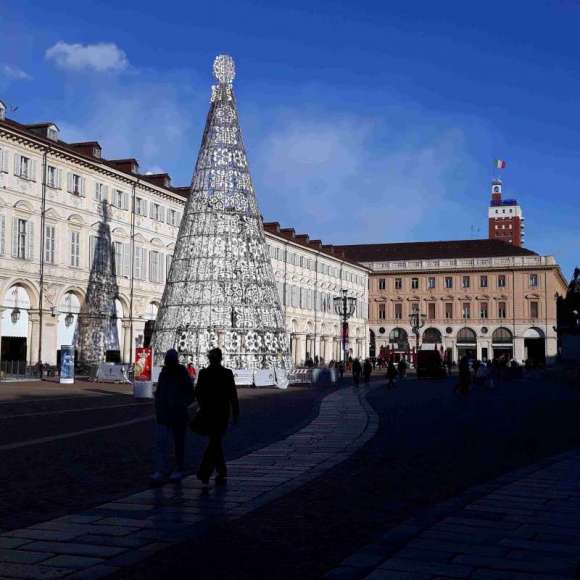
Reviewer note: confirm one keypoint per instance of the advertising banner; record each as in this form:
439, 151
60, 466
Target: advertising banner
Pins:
143, 363
67, 364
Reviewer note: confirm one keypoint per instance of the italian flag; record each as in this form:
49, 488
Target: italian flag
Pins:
500, 164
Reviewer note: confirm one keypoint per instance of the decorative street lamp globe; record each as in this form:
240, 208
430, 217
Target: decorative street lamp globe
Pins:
15, 315
344, 306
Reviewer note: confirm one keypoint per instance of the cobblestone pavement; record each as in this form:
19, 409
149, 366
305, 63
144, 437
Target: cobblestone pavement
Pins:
100, 541
67, 448
523, 526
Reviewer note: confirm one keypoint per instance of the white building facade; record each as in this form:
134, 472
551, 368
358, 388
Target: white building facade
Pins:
54, 199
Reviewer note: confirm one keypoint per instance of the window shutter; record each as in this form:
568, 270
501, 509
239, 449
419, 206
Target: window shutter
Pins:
178, 218
32, 175
144, 211
5, 155
16, 164
144, 265
161, 214
58, 176
168, 260
2, 156
82, 188
69, 182
151, 269
29, 242
2, 235
15, 237
151, 210
126, 260
106, 192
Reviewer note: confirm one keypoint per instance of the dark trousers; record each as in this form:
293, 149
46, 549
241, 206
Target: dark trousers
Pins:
213, 458
164, 433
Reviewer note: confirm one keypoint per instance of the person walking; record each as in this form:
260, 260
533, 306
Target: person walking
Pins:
367, 371
218, 398
173, 396
391, 374
464, 376
356, 372
402, 368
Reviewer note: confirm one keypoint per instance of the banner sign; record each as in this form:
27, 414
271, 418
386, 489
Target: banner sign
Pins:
243, 377
67, 364
264, 378
143, 363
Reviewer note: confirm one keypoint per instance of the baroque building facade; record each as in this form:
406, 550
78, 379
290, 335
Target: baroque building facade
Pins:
482, 298
55, 200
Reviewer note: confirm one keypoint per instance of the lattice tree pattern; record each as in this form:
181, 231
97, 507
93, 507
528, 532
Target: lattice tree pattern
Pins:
96, 331
221, 289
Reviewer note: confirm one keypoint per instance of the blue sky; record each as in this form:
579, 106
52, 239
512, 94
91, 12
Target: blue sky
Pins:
364, 121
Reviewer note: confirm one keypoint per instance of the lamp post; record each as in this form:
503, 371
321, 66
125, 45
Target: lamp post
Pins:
344, 306
417, 322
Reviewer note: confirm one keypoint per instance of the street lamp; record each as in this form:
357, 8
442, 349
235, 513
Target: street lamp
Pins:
344, 306
417, 322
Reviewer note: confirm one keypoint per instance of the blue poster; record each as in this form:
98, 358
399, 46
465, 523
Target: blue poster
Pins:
67, 364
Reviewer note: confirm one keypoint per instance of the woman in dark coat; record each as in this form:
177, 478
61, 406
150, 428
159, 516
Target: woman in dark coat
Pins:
173, 396
218, 399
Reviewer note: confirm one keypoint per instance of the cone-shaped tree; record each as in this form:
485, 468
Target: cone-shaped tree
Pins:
221, 289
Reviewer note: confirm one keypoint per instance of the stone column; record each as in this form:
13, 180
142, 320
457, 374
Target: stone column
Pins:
301, 350
125, 339
33, 337
519, 353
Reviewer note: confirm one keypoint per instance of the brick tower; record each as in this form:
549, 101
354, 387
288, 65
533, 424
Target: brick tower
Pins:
505, 217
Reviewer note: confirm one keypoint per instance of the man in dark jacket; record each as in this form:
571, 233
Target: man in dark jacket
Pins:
173, 395
217, 397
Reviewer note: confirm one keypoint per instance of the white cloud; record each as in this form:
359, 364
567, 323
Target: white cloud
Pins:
101, 57
14, 73
350, 180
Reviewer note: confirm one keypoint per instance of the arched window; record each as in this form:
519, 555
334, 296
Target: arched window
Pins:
432, 336
502, 336
466, 336
399, 337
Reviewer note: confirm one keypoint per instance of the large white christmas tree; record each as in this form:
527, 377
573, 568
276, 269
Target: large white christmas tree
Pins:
221, 289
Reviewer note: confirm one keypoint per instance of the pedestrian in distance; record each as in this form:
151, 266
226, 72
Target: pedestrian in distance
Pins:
464, 376
367, 371
356, 372
218, 400
173, 396
191, 371
391, 374
402, 368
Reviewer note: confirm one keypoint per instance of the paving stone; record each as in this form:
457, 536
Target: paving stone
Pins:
23, 557
419, 555
544, 565
76, 549
390, 575
363, 560
9, 543
94, 572
74, 562
344, 573
454, 570
511, 575
51, 535
564, 549
33, 572
458, 548
122, 542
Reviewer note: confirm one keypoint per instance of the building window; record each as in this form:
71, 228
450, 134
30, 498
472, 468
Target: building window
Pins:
22, 239
172, 220
501, 310
101, 191
483, 281
431, 314
75, 249
24, 167
483, 310
139, 265
157, 212
120, 199
382, 312
501, 281
466, 282
415, 307
533, 280
76, 184
414, 283
53, 177
140, 206
448, 310
431, 282
466, 310
168, 260
154, 266
398, 310
398, 283
382, 283
534, 309
448, 282
49, 244
118, 257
